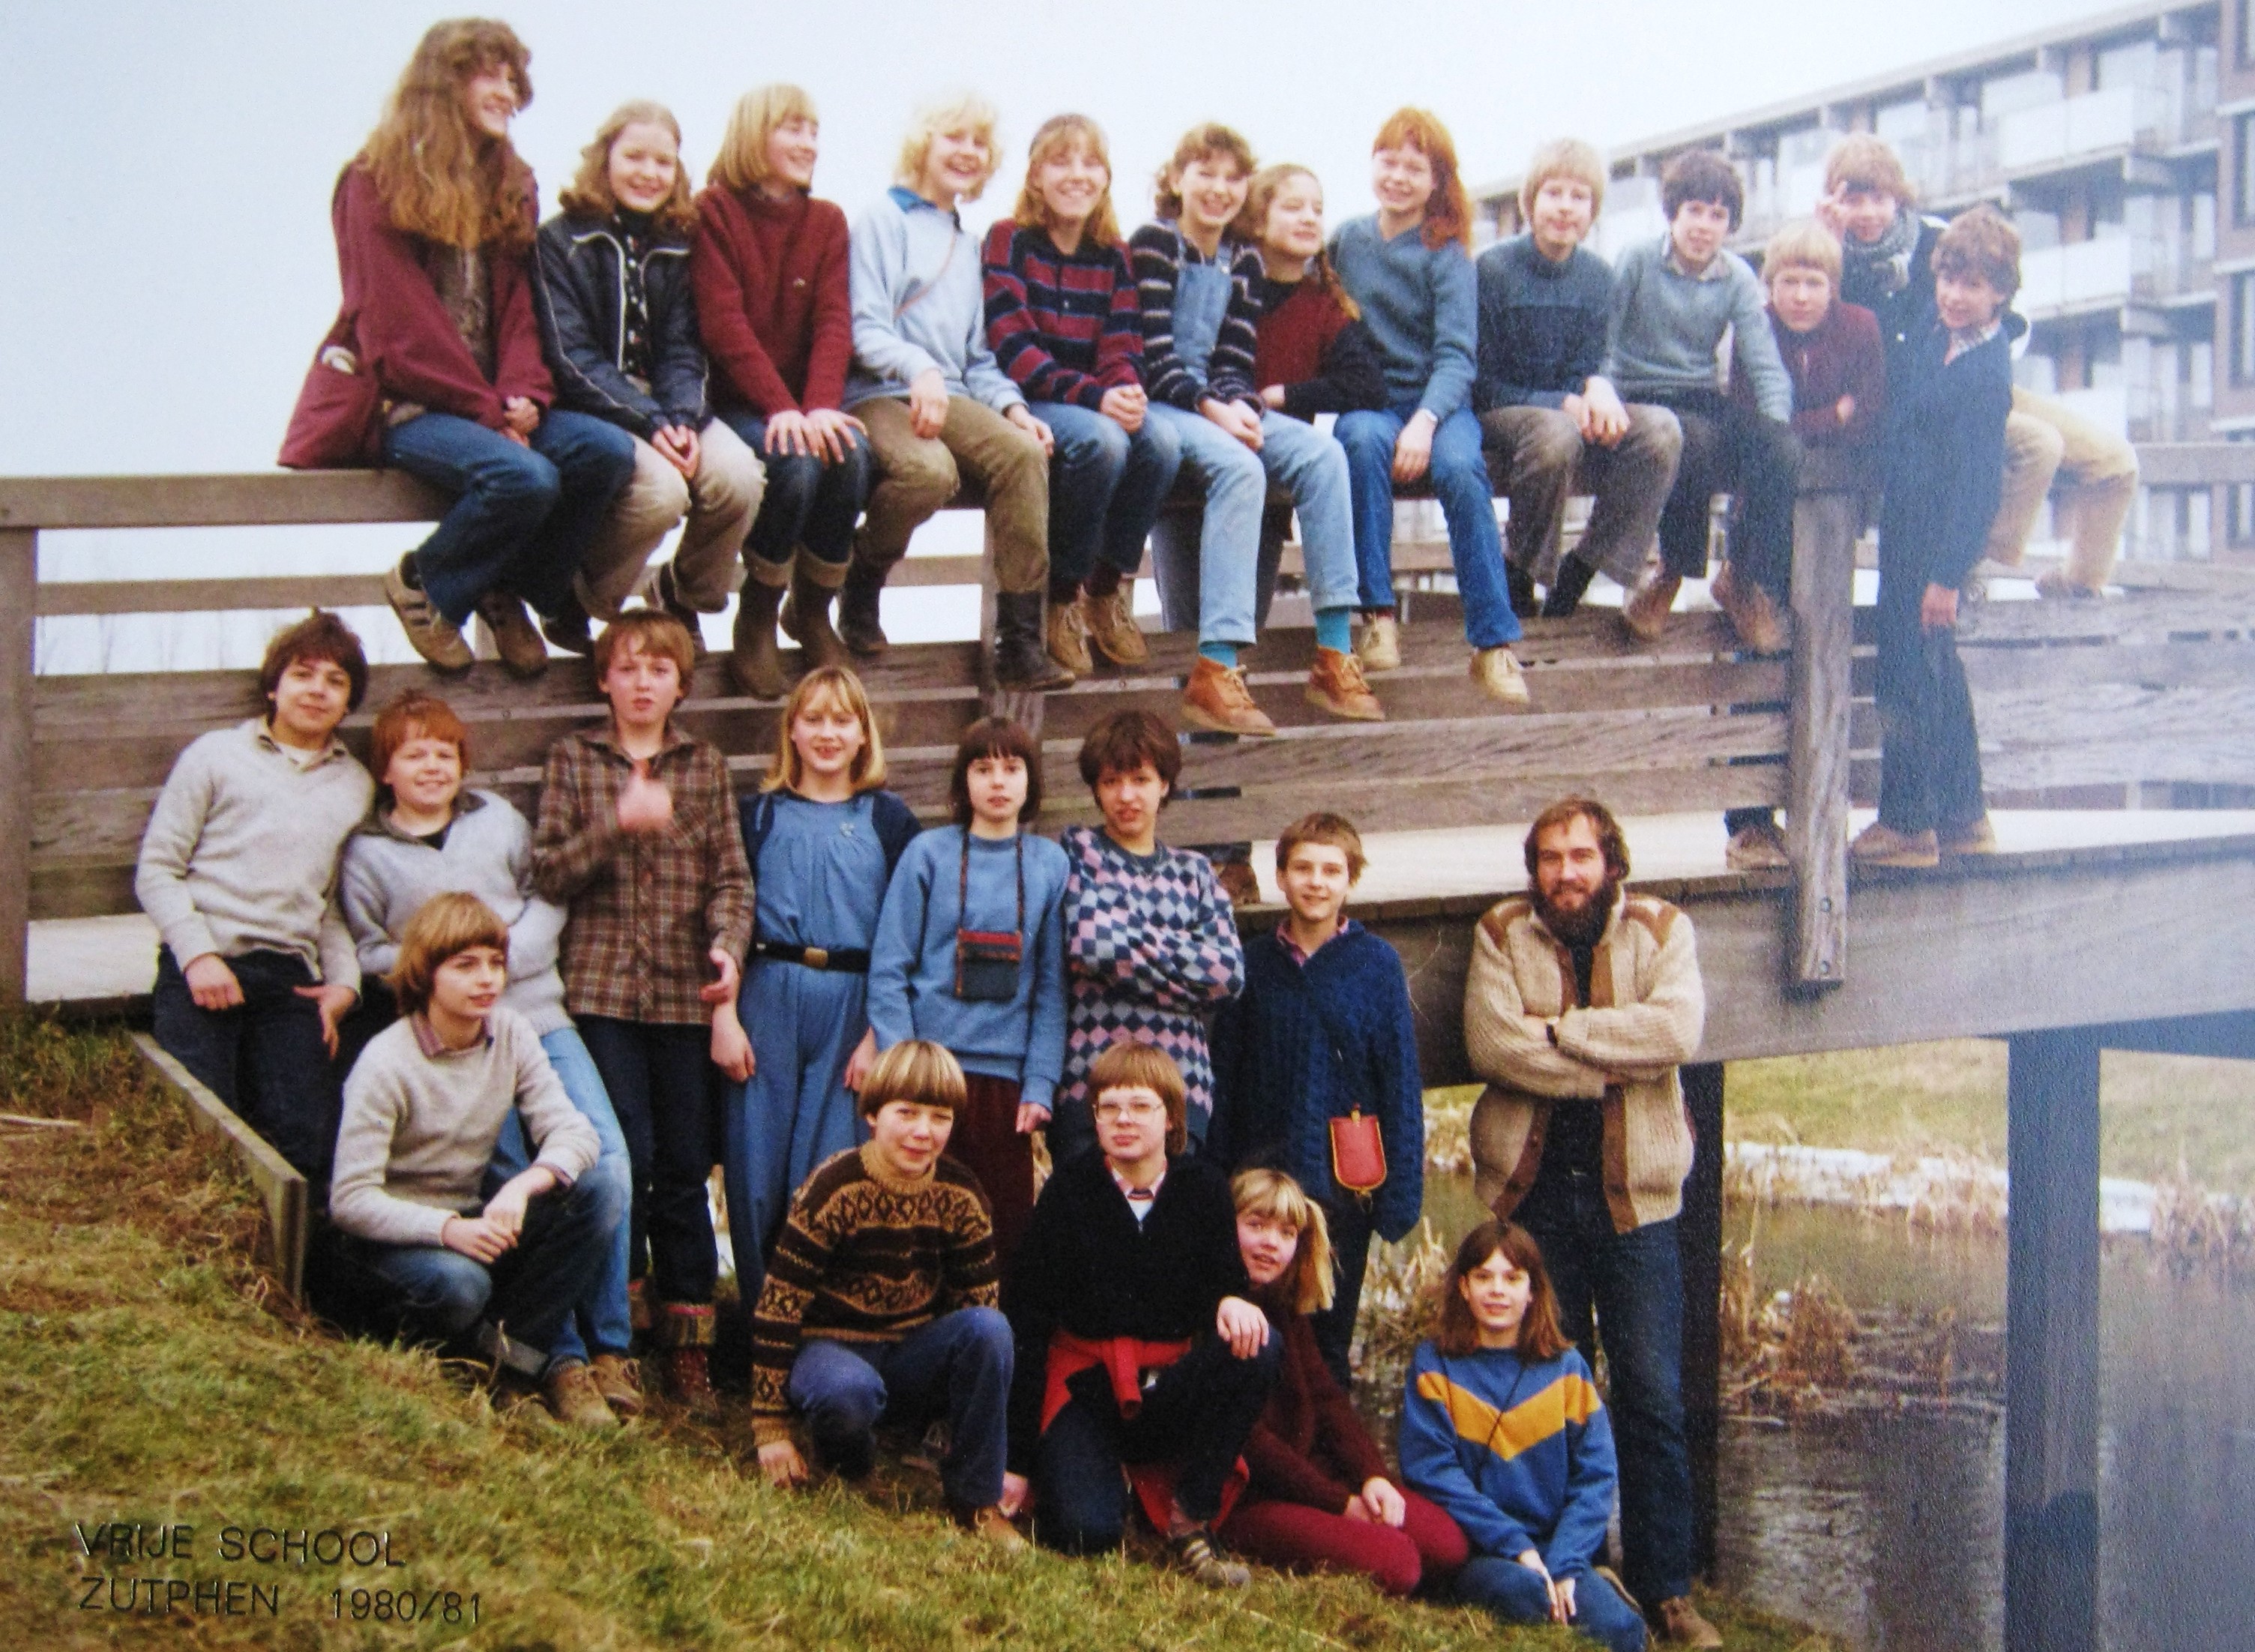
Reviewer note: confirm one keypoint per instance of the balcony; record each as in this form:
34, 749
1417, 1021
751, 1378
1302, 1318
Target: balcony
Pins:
2050, 135
2089, 275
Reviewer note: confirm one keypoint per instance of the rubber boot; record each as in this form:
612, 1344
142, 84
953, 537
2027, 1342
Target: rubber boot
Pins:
806, 613
754, 665
1567, 587
858, 626
1022, 657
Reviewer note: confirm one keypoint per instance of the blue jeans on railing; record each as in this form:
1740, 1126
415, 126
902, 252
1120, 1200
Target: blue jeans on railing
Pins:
1229, 530
810, 501
523, 517
1105, 487
1460, 479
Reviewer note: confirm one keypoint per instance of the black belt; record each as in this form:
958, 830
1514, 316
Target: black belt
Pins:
842, 961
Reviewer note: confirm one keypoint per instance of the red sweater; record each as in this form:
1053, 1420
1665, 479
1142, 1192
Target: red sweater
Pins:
773, 303
1841, 356
1308, 1435
400, 329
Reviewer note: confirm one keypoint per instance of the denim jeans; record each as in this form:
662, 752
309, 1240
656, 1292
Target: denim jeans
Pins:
1460, 479
265, 1058
1635, 1282
1311, 467
1198, 1414
523, 517
1515, 1594
660, 1080
514, 1308
810, 501
1929, 749
959, 1363
602, 1319
1235, 485
1105, 487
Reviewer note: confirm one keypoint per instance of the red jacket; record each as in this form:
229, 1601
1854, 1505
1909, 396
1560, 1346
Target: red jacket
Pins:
773, 302
400, 331
1841, 356
1309, 1447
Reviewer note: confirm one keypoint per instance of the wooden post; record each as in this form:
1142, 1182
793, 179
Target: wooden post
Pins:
1816, 814
20, 591
2051, 1345
1699, 1238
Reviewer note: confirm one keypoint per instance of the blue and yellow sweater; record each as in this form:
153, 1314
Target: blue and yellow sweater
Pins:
1519, 1454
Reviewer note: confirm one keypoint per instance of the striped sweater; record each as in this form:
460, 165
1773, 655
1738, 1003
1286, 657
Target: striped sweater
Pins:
1157, 253
1067, 326
865, 1258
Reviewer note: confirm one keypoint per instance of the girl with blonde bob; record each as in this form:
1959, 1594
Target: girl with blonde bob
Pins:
1320, 1499
776, 312
823, 837
611, 286
434, 222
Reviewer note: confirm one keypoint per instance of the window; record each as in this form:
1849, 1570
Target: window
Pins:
2242, 329
2243, 169
2243, 17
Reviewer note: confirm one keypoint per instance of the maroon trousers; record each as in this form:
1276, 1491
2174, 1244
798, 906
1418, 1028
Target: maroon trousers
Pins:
986, 1142
1294, 1538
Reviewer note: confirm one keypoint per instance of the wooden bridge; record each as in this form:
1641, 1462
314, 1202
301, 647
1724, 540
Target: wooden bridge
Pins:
2064, 951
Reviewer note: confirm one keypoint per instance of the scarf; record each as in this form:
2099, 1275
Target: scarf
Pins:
1890, 255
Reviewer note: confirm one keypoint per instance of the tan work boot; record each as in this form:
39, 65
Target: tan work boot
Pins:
1979, 838
991, 1526
1112, 628
430, 633
1749, 609
1336, 684
1757, 848
571, 1394
1676, 1621
523, 653
1065, 632
1879, 844
1496, 669
1379, 647
754, 662
806, 613
1644, 613
619, 1380
1217, 699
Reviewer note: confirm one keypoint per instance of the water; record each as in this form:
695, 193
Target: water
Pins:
1885, 1529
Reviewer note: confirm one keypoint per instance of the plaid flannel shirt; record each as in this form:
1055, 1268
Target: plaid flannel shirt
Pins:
646, 908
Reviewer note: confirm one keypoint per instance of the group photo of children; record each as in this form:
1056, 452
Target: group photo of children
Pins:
1020, 1140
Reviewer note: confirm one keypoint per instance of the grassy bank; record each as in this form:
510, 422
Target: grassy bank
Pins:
149, 1374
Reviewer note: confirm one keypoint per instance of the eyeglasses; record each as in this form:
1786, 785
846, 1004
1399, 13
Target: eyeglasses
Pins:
1142, 1112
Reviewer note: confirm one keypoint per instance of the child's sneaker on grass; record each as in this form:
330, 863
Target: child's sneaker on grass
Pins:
1676, 1621
571, 1394
1192, 1553
991, 1526
619, 1380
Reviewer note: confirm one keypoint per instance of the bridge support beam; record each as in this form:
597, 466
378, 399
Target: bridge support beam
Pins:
1699, 1236
19, 591
2051, 1341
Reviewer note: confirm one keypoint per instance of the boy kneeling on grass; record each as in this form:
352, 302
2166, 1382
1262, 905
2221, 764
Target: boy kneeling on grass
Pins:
494, 1276
880, 1300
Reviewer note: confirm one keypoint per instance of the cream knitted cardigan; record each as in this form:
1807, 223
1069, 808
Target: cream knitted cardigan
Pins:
1619, 1051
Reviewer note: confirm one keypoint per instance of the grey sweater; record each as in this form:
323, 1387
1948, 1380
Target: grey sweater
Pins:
387, 875
420, 1120
241, 851
920, 302
1667, 324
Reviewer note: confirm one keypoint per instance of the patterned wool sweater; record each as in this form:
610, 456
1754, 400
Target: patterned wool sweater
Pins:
866, 1258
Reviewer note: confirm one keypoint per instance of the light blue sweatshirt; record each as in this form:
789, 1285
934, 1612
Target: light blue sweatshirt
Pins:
920, 302
1422, 304
1667, 325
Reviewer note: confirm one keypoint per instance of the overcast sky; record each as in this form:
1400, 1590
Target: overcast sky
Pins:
169, 266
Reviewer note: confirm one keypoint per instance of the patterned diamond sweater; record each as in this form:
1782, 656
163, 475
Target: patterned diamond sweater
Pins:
866, 1258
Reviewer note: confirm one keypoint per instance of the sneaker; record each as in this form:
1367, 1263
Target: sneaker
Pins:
1496, 671
1336, 684
991, 1526
1112, 628
438, 639
1193, 1554
1065, 631
1750, 611
619, 1380
1217, 699
1757, 848
1379, 648
571, 1394
1239, 882
2053, 582
1879, 844
1980, 837
523, 654
1676, 1621
689, 1381
1646, 611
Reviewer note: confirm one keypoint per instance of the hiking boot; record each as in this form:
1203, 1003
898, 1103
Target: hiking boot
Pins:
1379, 648
1753, 616
858, 626
2053, 582
1568, 587
991, 1526
571, 630
807, 614
755, 663
1217, 699
1066, 632
430, 633
1644, 613
1879, 844
1676, 1621
1020, 660
1757, 848
1193, 1555
1336, 684
1979, 838
1521, 584
666, 593
1496, 671
573, 1396
1239, 882
689, 1381
523, 654
619, 1380
1112, 628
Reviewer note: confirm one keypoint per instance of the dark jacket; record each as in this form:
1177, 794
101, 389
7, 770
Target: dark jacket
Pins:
1541, 325
1945, 462
579, 293
1904, 313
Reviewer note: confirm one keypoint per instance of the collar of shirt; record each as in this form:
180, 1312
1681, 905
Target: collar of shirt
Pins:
1140, 1200
605, 736
436, 1048
1714, 270
264, 733
1970, 339
1283, 932
908, 200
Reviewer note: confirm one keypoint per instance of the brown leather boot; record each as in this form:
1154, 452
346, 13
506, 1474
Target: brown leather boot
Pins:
1066, 631
1217, 699
523, 653
619, 1380
1753, 616
755, 664
1644, 613
684, 1330
572, 1396
806, 613
1112, 628
1336, 684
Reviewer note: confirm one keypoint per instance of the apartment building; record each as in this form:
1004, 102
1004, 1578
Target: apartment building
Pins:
2124, 147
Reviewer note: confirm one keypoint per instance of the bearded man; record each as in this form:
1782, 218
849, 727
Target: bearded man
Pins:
1582, 1000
